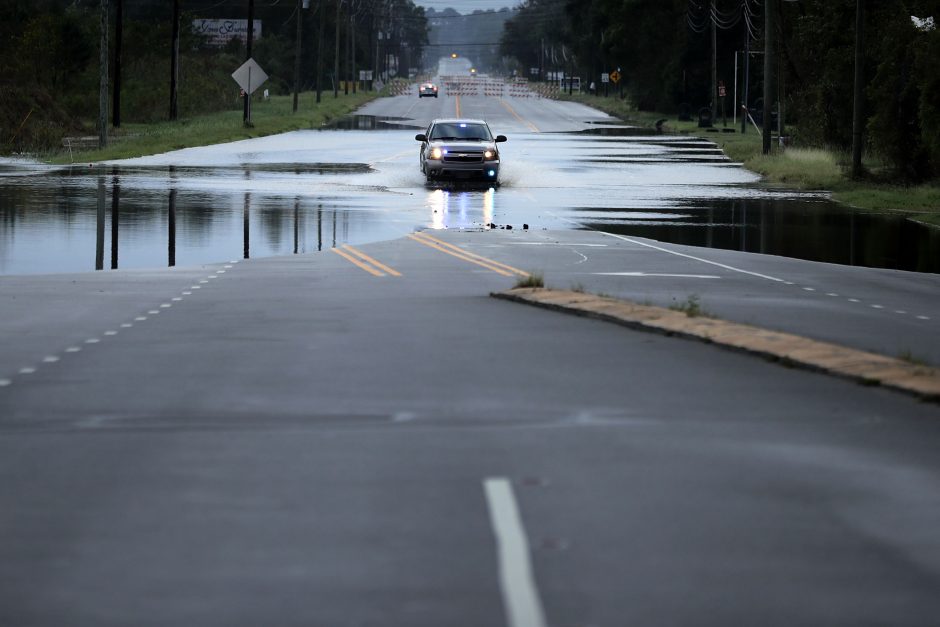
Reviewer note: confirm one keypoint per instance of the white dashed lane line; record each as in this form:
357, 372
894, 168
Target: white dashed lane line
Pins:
51, 359
805, 288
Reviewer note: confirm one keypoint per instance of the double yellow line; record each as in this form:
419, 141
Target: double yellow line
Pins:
460, 253
534, 128
364, 261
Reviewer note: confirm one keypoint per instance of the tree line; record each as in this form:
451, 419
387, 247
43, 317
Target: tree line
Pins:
50, 84
670, 53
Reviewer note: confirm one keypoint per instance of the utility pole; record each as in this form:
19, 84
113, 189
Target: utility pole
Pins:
118, 45
251, 36
769, 82
857, 109
348, 49
175, 62
745, 111
352, 39
339, 5
321, 12
297, 50
103, 78
713, 18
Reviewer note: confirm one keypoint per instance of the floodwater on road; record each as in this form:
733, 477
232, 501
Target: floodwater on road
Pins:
309, 190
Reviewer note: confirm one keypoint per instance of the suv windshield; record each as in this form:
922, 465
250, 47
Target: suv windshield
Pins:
461, 130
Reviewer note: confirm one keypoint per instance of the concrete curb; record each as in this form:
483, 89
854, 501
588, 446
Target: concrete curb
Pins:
867, 368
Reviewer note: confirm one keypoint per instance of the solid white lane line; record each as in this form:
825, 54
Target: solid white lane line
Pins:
658, 274
520, 596
678, 254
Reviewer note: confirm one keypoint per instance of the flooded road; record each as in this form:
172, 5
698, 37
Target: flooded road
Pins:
359, 182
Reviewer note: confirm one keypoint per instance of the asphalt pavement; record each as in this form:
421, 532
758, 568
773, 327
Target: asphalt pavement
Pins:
362, 436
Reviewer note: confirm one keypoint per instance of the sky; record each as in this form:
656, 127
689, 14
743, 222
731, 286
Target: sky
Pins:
467, 6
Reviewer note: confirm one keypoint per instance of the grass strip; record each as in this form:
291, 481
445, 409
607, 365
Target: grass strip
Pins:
269, 117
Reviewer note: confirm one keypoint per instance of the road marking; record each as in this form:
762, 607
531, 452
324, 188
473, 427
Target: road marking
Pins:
680, 276
534, 128
51, 359
4, 383
678, 254
73, 349
357, 263
457, 105
520, 595
27, 370
460, 253
378, 264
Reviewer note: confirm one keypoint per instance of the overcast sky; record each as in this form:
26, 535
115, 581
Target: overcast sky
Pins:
467, 6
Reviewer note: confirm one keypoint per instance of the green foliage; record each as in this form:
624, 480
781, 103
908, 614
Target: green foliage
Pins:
534, 279
51, 77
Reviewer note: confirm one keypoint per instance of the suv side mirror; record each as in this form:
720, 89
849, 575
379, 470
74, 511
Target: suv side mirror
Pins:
501, 138
421, 137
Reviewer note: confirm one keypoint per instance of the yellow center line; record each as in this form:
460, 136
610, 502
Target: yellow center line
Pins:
519, 117
467, 253
374, 262
356, 262
431, 244
457, 101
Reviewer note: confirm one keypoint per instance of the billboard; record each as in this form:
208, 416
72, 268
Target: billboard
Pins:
220, 32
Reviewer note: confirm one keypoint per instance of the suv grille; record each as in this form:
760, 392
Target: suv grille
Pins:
464, 157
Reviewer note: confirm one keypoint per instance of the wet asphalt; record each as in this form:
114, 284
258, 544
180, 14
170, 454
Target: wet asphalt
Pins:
309, 439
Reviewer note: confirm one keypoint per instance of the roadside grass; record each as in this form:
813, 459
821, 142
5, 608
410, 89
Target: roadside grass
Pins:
535, 279
268, 118
797, 167
911, 358
691, 307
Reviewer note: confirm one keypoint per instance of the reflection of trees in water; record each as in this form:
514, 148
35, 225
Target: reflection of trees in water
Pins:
815, 231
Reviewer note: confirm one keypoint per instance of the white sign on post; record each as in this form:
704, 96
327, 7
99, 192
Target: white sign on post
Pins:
605, 77
249, 77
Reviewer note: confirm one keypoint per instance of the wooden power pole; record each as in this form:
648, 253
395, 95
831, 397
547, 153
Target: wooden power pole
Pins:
175, 63
103, 79
118, 50
251, 35
297, 50
769, 80
858, 107
339, 5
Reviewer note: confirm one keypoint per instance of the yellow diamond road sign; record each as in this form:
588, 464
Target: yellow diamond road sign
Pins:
615, 76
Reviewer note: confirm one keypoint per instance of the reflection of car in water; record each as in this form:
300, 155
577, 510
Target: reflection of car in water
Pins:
459, 149
427, 89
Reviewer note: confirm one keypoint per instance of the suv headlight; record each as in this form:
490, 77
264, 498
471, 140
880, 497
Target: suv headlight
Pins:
490, 154
435, 153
